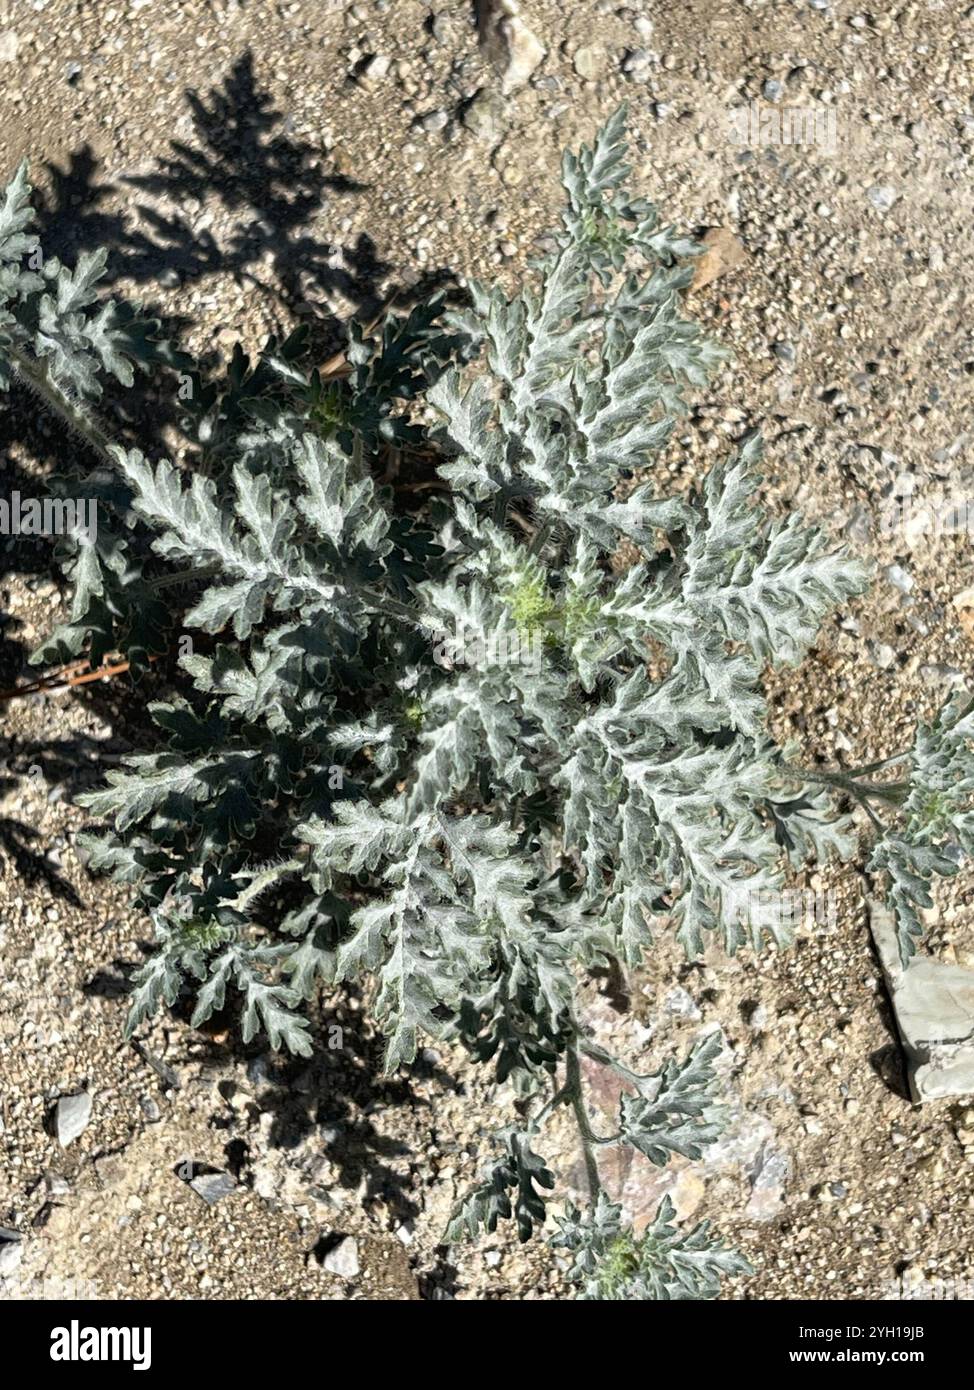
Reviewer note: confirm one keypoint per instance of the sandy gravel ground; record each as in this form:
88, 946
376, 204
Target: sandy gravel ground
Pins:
254, 164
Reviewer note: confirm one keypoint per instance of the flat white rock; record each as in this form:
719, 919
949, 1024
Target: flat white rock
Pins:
343, 1259
71, 1117
934, 1007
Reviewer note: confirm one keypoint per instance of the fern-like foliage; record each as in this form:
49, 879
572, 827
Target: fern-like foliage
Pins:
930, 815
456, 751
62, 342
53, 325
609, 1262
509, 1188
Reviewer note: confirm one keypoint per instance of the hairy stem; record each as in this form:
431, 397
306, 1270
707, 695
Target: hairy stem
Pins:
562, 1096
893, 793
573, 1087
599, 1054
81, 420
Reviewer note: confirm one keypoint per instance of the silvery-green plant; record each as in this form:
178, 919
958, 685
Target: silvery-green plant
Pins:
340, 792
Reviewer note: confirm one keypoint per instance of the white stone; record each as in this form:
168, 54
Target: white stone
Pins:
510, 45
71, 1117
213, 1187
882, 196
11, 1252
343, 1259
934, 1007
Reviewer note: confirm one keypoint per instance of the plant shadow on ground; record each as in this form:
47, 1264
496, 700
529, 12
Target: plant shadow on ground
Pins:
330, 1097
67, 764
243, 160
333, 1097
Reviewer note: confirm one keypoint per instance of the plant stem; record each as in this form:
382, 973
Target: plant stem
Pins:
599, 1054
863, 769
166, 581
560, 1097
573, 1087
80, 420
894, 793
385, 604
539, 538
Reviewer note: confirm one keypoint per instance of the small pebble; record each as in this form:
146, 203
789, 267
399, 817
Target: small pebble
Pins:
434, 121
71, 1117
343, 1259
212, 1187
882, 196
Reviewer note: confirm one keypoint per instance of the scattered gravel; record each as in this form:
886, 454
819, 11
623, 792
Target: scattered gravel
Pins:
410, 139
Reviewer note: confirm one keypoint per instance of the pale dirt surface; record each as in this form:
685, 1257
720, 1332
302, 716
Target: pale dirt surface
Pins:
287, 188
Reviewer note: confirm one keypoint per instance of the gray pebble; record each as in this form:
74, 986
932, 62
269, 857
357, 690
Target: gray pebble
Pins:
343, 1259
898, 577
636, 61
678, 1003
486, 116
211, 1187
11, 1252
375, 69
71, 1117
938, 673
150, 1110
434, 121
882, 196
